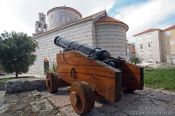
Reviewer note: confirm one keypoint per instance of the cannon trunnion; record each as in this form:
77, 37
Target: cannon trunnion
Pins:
92, 74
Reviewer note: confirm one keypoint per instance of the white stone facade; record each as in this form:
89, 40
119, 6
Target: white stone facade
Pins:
81, 32
109, 36
156, 45
168, 41
148, 47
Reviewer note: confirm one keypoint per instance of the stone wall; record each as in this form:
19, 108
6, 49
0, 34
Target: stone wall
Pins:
112, 37
81, 32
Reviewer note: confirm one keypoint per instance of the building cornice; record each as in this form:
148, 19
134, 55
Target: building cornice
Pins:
114, 23
147, 31
170, 28
62, 27
86, 19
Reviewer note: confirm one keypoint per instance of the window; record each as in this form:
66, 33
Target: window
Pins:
126, 50
149, 44
172, 42
167, 33
42, 18
45, 26
141, 46
39, 25
51, 16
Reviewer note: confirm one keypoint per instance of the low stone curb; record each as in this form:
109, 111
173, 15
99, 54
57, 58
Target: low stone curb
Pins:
24, 84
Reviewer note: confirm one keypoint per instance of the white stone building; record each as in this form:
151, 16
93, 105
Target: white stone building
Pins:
148, 47
97, 30
156, 46
169, 45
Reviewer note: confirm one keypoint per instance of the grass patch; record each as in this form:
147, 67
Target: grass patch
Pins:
6, 79
3, 80
160, 78
2, 83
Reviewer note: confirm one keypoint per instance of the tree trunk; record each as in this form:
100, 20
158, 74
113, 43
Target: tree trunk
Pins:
16, 74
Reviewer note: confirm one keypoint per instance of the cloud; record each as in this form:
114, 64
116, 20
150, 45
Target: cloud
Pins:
147, 15
9, 19
120, 4
20, 15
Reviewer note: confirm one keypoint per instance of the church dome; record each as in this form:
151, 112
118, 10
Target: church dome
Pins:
62, 15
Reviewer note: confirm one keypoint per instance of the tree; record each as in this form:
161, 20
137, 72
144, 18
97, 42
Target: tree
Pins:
135, 60
16, 52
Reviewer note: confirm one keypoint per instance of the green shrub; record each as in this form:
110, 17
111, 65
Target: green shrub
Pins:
160, 78
53, 68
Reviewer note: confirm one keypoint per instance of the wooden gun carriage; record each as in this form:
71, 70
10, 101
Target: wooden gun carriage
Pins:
92, 74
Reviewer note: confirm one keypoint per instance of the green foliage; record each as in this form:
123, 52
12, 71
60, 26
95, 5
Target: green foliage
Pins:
3, 80
135, 60
1, 68
53, 68
160, 78
16, 52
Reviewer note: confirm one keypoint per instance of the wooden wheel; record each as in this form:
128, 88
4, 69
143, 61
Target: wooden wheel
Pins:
81, 97
51, 82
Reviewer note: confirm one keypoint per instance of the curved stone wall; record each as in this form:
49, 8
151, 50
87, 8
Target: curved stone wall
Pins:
62, 15
112, 37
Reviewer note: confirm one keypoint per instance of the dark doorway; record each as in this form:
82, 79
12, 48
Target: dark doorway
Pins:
46, 65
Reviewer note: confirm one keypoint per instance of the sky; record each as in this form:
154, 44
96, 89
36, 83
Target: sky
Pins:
20, 15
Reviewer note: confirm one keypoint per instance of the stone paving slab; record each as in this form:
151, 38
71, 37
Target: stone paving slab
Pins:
147, 102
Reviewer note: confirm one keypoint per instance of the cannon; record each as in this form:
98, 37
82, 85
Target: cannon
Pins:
92, 74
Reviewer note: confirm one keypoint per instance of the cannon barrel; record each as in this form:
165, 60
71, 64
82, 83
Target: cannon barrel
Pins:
96, 53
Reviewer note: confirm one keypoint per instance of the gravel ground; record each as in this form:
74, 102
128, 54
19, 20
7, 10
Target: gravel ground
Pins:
2, 86
27, 104
147, 102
